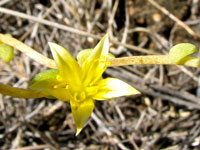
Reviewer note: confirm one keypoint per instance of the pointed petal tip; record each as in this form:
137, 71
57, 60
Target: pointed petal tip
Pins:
135, 91
51, 44
105, 40
112, 88
78, 131
106, 35
54, 52
54, 46
129, 90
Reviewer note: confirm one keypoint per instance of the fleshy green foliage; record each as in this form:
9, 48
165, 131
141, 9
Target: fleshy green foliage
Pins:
179, 53
44, 80
84, 54
6, 52
45, 75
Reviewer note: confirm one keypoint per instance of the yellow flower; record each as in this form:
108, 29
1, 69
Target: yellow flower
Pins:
81, 83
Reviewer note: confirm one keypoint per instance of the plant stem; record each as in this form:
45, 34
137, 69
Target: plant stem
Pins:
153, 60
20, 93
123, 61
140, 60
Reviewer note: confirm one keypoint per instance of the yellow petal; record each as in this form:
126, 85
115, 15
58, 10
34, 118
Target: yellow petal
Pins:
69, 70
96, 62
83, 55
81, 112
112, 87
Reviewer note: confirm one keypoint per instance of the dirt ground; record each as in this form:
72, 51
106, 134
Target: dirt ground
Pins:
164, 117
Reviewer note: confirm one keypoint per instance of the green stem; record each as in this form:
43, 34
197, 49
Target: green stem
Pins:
152, 60
20, 93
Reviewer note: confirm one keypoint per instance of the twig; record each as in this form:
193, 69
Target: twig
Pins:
36, 147
189, 73
133, 142
140, 120
35, 111
51, 110
194, 9
171, 16
179, 94
100, 124
97, 16
46, 22
16, 142
129, 77
42, 136
3, 2
125, 33
28, 51
111, 15
3, 107
35, 27
70, 29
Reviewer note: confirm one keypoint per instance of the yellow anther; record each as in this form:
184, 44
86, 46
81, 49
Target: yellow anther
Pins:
82, 95
59, 78
55, 86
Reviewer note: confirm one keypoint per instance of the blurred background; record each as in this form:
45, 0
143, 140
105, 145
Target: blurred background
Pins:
164, 117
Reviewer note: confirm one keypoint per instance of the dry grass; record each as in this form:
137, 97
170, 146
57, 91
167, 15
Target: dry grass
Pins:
164, 117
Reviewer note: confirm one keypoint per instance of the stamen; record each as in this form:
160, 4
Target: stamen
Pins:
59, 78
55, 86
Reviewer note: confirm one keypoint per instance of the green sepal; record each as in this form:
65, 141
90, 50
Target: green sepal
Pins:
84, 54
6, 52
180, 51
44, 81
45, 75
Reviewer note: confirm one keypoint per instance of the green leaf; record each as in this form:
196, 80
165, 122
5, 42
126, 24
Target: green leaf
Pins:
47, 74
43, 81
84, 54
178, 52
6, 52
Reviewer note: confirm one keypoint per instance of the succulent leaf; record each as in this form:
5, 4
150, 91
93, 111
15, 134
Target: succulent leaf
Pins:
180, 51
